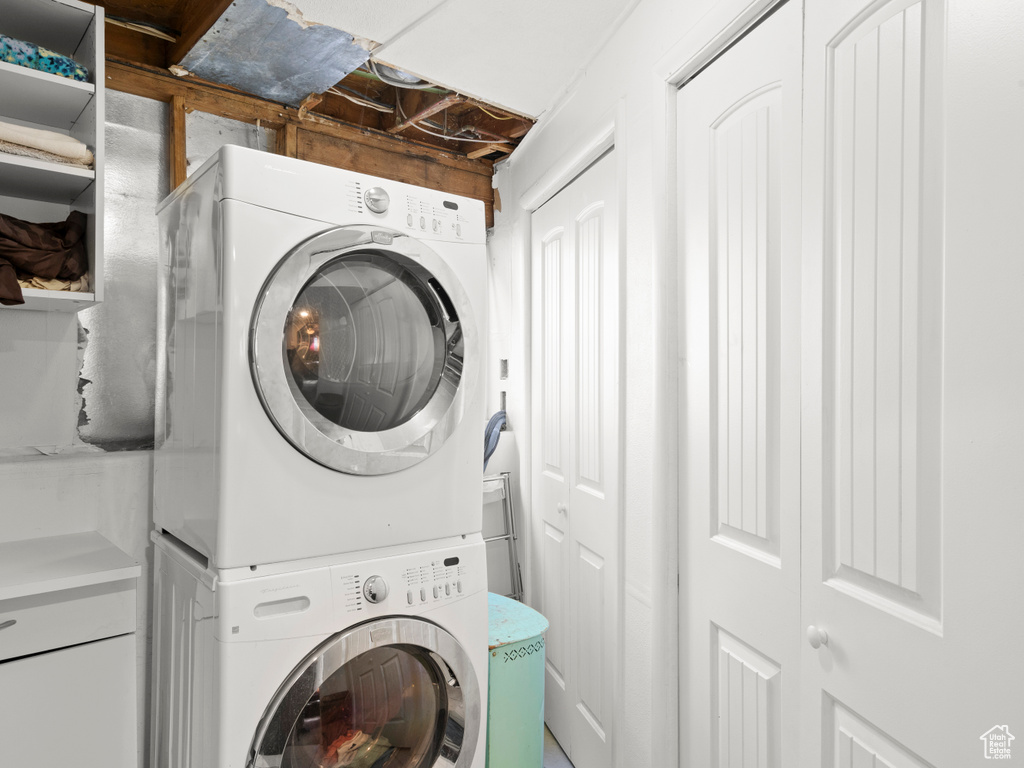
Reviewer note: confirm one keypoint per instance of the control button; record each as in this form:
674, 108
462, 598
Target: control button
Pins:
458, 230
423, 223
423, 594
447, 589
408, 219
409, 595
375, 589
437, 225
437, 592
377, 200
459, 585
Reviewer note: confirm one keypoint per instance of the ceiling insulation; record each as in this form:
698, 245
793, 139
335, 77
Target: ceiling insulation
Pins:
265, 47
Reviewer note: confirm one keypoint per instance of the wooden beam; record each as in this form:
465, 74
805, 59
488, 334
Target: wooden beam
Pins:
497, 138
195, 20
129, 44
179, 163
439, 105
218, 100
161, 85
308, 103
511, 129
287, 140
488, 149
508, 124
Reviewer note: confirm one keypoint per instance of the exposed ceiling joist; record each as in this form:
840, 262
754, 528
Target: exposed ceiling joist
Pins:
437, 116
489, 149
197, 17
441, 104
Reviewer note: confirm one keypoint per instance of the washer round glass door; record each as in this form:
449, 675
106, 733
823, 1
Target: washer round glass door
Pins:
392, 693
358, 348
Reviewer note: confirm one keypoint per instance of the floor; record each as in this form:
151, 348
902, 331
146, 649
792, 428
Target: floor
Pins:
554, 757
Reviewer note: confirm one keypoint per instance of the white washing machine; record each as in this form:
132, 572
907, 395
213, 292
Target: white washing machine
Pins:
319, 377
365, 663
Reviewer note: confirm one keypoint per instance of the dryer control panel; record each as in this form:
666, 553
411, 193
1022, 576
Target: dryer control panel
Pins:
421, 213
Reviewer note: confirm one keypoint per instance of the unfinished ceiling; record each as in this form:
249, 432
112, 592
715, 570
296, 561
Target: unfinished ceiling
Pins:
519, 55
490, 66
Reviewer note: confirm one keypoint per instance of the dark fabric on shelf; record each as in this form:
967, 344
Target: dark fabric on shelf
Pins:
52, 250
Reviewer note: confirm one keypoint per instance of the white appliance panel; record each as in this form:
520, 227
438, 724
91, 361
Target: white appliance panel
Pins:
220, 658
227, 482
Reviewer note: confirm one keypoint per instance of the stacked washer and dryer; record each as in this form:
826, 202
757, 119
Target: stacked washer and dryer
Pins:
320, 577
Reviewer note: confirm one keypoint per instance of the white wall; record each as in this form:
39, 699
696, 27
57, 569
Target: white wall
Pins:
626, 85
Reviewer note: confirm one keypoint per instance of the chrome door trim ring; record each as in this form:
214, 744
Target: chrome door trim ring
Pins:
345, 450
457, 745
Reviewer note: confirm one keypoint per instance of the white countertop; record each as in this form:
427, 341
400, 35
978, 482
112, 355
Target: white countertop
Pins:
53, 563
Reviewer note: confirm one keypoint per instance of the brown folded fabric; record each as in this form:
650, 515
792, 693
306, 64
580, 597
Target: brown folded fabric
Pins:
42, 284
51, 251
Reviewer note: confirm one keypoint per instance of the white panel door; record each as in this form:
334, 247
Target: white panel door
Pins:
739, 242
576, 458
913, 377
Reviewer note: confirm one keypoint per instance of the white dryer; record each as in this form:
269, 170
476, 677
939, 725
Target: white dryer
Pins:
365, 663
319, 383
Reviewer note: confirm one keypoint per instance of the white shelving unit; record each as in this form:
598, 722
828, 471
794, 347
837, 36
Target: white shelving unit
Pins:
41, 191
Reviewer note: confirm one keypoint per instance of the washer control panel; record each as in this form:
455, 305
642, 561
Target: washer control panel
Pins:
410, 583
250, 606
439, 580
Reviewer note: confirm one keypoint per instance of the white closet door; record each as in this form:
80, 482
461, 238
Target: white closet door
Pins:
913, 382
739, 228
577, 457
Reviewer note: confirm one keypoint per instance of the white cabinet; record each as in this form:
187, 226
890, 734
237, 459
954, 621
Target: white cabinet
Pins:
67, 653
41, 191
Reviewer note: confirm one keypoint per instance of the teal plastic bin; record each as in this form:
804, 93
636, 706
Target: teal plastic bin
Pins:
515, 688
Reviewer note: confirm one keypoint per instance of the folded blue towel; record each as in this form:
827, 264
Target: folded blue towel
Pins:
35, 57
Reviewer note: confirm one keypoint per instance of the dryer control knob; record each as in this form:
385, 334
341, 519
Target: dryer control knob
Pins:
377, 199
375, 589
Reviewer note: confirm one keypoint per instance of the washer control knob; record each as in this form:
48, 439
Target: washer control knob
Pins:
375, 589
437, 225
377, 199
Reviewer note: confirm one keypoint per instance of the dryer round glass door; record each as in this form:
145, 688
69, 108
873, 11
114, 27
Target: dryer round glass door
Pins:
392, 693
360, 349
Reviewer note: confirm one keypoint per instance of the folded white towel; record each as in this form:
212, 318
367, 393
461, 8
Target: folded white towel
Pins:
47, 141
